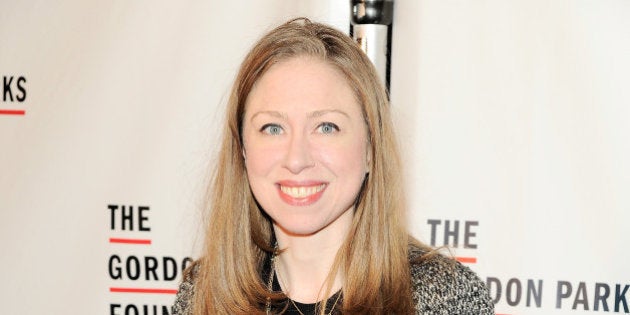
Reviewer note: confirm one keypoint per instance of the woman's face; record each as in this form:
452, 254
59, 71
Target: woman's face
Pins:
305, 146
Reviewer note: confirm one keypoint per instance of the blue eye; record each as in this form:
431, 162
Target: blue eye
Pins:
327, 128
271, 129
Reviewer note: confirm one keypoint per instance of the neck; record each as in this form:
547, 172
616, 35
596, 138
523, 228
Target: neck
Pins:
307, 260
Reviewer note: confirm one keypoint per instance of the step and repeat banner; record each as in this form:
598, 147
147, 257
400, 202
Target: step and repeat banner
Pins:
513, 117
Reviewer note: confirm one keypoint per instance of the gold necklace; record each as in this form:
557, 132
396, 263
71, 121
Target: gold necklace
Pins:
270, 281
331, 309
270, 288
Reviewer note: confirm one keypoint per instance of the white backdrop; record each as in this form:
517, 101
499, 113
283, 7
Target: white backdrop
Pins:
513, 119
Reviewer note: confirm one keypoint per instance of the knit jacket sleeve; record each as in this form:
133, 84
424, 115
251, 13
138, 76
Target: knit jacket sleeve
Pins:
183, 299
444, 286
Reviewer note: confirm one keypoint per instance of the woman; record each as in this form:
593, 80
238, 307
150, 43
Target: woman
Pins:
307, 204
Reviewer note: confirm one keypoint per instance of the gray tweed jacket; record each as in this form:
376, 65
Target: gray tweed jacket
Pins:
441, 286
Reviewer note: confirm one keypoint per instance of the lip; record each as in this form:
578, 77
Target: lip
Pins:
301, 201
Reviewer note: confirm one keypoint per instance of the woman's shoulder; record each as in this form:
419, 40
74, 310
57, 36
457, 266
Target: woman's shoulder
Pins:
186, 291
442, 285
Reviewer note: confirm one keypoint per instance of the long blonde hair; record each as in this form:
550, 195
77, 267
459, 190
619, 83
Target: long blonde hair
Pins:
374, 256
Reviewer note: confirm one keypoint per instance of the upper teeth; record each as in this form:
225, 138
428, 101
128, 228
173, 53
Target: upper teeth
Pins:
301, 192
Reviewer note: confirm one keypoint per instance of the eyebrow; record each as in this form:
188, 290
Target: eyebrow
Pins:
319, 113
270, 113
315, 114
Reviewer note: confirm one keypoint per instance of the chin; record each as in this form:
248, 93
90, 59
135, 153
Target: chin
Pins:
294, 229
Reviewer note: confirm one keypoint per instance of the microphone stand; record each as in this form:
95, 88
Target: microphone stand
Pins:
371, 27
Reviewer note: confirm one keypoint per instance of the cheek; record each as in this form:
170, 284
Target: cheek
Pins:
259, 161
260, 157
346, 159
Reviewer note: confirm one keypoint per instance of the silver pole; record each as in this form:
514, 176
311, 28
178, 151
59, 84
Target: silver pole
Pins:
371, 28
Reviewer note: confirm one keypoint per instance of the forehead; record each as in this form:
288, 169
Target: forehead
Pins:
302, 83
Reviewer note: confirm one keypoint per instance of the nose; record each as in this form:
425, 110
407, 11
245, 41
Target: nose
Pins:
298, 154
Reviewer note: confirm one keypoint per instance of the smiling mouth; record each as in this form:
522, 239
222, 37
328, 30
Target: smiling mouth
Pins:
301, 194
302, 191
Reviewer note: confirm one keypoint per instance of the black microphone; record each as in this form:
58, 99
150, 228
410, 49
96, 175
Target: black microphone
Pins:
371, 27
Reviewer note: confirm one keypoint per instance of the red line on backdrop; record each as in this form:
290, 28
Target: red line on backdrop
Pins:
469, 260
12, 112
129, 241
143, 290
